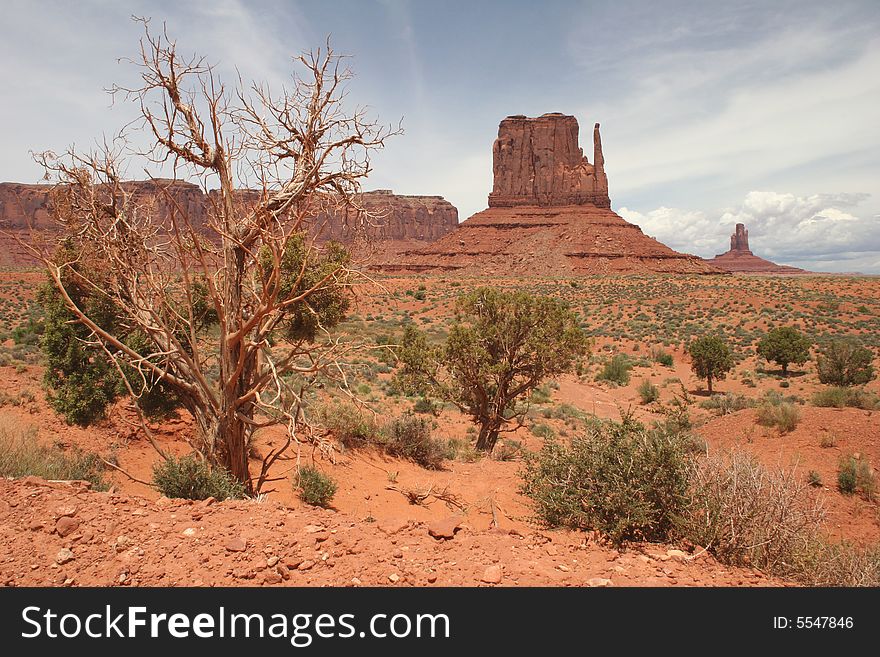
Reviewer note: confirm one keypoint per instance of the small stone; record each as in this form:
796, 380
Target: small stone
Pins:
551, 550
397, 554
314, 529
189, 531
272, 577
564, 568
596, 582
306, 565
393, 526
283, 571
66, 525
236, 544
208, 501
394, 578
64, 555
355, 581
271, 561
432, 578
163, 502
65, 510
492, 574
444, 529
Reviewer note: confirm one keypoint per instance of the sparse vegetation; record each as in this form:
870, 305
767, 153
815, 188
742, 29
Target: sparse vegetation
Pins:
648, 392
616, 370
621, 479
191, 478
315, 487
784, 416
842, 397
845, 363
410, 437
855, 475
22, 455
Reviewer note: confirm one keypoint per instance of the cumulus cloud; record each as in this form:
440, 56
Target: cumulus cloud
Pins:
825, 232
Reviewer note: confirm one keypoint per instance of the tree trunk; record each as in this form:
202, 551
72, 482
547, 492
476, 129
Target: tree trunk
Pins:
784, 369
489, 429
709, 382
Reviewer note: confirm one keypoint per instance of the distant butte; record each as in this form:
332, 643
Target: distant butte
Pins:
549, 214
740, 259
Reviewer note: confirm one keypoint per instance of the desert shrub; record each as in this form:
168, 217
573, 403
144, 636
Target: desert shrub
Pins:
352, 427
21, 455
845, 363
648, 392
840, 397
542, 430
410, 437
425, 405
814, 479
616, 370
824, 563
621, 479
729, 402
855, 475
192, 478
457, 449
784, 416
659, 355
746, 514
315, 487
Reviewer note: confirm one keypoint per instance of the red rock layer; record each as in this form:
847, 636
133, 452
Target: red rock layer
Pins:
557, 241
404, 219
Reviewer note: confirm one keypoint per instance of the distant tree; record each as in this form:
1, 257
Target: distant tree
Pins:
711, 358
502, 346
784, 345
845, 363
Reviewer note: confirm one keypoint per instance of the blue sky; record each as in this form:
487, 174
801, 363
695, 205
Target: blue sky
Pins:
711, 112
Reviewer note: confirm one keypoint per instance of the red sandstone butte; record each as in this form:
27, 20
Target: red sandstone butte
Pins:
395, 221
549, 215
740, 259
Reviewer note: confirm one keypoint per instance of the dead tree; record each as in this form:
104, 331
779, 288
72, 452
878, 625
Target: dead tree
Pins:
252, 262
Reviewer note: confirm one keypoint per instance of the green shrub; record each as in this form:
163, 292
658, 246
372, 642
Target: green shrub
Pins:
542, 430
845, 363
191, 478
658, 355
784, 416
621, 479
840, 397
409, 437
425, 405
616, 370
352, 427
21, 456
785, 345
814, 479
648, 392
315, 487
855, 475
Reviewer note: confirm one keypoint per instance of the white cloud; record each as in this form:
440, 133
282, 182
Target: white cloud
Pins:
823, 232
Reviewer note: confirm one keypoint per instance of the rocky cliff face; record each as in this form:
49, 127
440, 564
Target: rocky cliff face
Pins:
549, 215
740, 259
410, 219
538, 162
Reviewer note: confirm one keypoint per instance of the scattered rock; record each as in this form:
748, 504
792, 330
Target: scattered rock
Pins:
394, 578
271, 561
596, 582
189, 531
66, 525
236, 544
305, 565
678, 555
444, 529
393, 526
65, 511
492, 574
64, 556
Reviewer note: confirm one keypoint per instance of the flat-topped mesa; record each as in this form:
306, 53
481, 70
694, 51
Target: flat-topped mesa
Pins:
538, 162
739, 241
